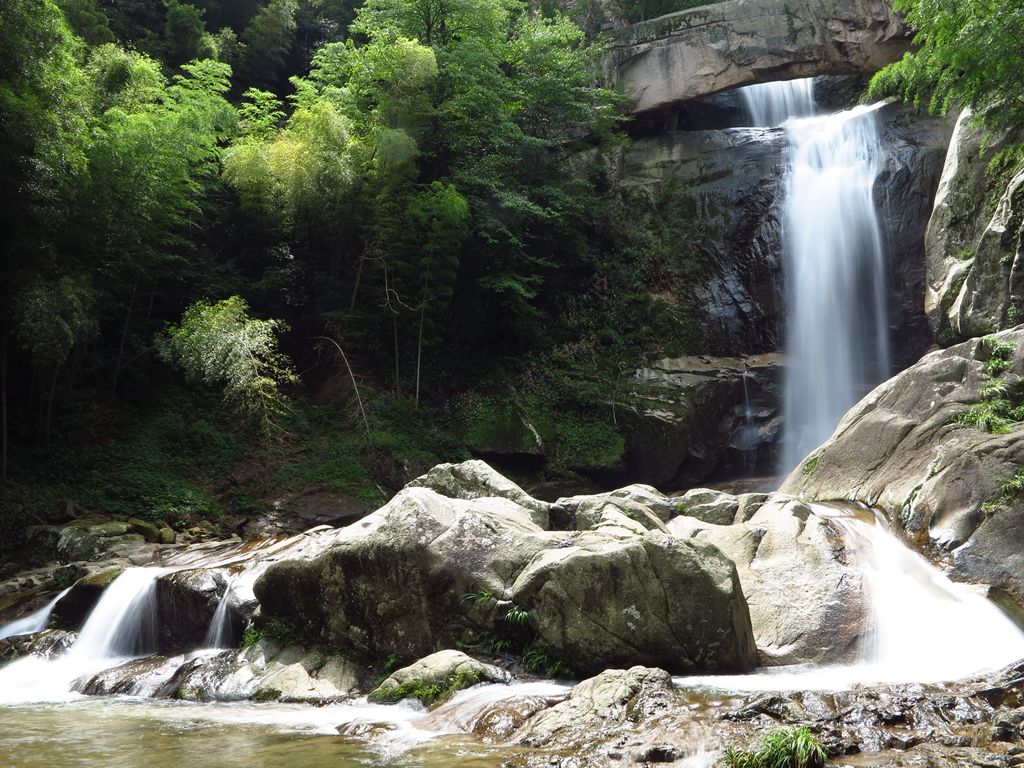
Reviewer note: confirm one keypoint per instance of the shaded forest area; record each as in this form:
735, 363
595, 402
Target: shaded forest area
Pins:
417, 196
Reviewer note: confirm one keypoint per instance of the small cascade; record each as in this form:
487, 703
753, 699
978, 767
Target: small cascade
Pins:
924, 628
221, 633
35, 622
769, 105
748, 433
124, 621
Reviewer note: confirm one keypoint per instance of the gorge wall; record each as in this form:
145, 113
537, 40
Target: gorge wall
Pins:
713, 48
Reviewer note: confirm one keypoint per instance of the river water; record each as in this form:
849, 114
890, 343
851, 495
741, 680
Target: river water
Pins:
121, 733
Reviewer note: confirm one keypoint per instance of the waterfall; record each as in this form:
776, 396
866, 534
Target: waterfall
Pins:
769, 105
124, 621
221, 634
35, 622
837, 344
924, 628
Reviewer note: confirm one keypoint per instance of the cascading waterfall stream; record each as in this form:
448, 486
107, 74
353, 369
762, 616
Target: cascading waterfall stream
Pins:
35, 622
220, 634
837, 343
924, 628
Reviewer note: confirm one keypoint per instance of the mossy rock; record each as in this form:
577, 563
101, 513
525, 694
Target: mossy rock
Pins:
436, 678
148, 530
489, 425
74, 608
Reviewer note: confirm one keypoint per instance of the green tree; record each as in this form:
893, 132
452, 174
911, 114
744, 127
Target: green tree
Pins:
185, 37
220, 345
968, 55
268, 38
87, 21
156, 150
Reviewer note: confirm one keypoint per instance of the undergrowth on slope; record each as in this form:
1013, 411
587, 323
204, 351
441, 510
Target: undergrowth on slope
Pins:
999, 405
1009, 491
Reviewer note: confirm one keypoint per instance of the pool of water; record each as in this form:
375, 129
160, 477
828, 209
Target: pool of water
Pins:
128, 733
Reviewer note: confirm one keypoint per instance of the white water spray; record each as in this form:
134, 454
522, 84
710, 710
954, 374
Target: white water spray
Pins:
837, 341
35, 622
771, 104
220, 633
924, 628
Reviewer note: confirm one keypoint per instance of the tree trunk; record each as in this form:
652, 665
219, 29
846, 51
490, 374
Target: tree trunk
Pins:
419, 356
398, 381
359, 278
124, 337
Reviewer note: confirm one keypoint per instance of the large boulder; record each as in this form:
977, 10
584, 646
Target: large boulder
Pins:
651, 599
715, 47
806, 603
476, 479
428, 571
973, 240
947, 485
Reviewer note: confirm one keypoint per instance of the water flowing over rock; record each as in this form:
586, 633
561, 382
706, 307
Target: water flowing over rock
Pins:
973, 240
837, 342
941, 482
398, 582
686, 418
698, 52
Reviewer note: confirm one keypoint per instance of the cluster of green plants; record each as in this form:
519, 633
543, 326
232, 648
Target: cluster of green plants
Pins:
278, 630
780, 748
999, 405
519, 642
1010, 490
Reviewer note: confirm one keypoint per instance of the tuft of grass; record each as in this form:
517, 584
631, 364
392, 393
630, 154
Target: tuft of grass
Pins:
483, 597
518, 615
998, 407
810, 465
537, 660
266, 694
1009, 491
781, 748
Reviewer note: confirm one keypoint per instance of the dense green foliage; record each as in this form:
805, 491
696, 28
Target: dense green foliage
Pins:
424, 188
968, 55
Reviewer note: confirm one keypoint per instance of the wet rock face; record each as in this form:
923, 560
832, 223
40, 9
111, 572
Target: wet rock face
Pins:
641, 718
915, 149
941, 482
973, 240
397, 583
734, 177
686, 419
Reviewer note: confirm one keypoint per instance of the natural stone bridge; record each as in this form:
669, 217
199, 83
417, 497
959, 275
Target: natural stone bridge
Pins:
709, 49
